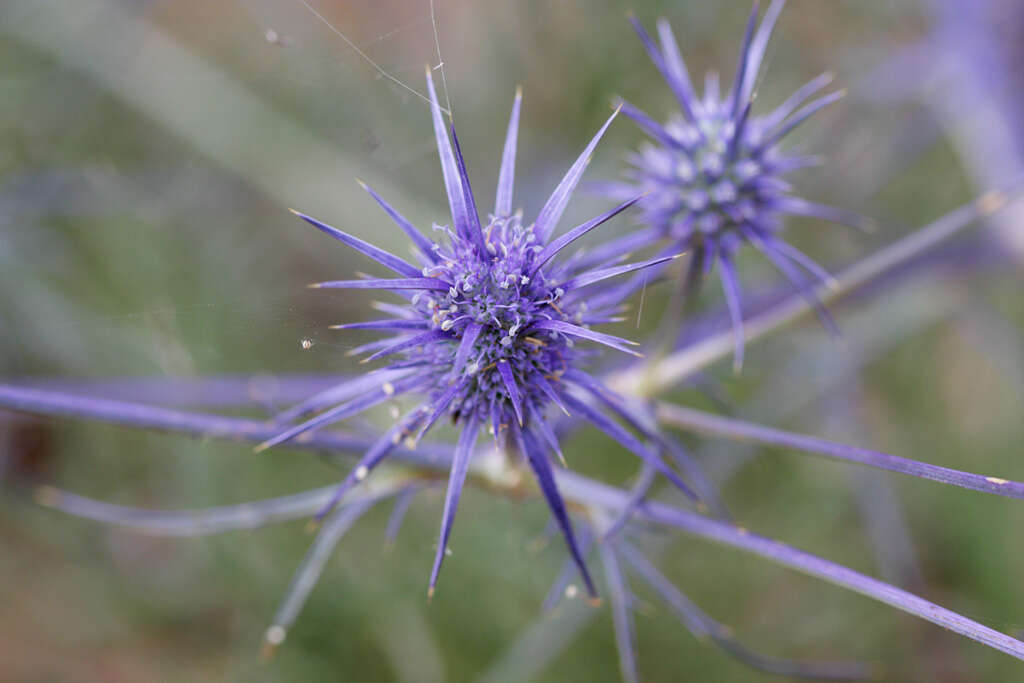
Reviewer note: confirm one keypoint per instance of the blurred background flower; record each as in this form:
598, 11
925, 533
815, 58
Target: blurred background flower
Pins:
148, 152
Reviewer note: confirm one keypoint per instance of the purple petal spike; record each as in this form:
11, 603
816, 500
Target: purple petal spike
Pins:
497, 425
614, 342
410, 343
689, 465
392, 283
641, 420
552, 210
803, 260
675, 72
340, 412
758, 47
383, 325
744, 62
422, 243
783, 111
449, 168
542, 469
636, 497
466, 345
628, 441
402, 503
616, 248
382, 257
730, 285
622, 616
441, 405
557, 245
801, 207
805, 112
457, 477
731, 428
737, 136
339, 393
652, 48
549, 436
649, 126
378, 451
798, 281
593, 276
472, 217
506, 178
549, 391
644, 422
305, 577
559, 587
514, 397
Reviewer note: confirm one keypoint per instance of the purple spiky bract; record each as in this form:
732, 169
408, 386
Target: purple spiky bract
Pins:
713, 174
486, 333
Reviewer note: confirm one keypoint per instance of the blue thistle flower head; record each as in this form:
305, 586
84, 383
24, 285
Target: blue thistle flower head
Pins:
497, 321
713, 175
486, 331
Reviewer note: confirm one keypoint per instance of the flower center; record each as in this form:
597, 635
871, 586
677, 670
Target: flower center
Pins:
704, 186
498, 298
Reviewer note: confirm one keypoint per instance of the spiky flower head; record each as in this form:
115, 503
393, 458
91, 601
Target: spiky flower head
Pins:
713, 174
486, 332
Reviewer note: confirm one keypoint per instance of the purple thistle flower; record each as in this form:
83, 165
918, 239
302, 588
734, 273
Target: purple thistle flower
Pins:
486, 333
713, 174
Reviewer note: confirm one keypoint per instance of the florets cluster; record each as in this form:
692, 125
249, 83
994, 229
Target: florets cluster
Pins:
713, 181
712, 175
486, 331
495, 300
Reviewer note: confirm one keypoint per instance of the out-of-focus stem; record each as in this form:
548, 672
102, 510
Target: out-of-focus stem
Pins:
730, 428
649, 379
55, 404
583, 493
576, 488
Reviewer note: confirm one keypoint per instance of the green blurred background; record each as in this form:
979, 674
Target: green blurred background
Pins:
148, 154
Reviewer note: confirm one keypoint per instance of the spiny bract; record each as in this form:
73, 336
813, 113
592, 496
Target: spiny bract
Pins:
486, 331
713, 174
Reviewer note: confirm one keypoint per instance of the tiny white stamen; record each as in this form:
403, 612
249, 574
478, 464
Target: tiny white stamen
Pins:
275, 635
361, 472
388, 388
571, 591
